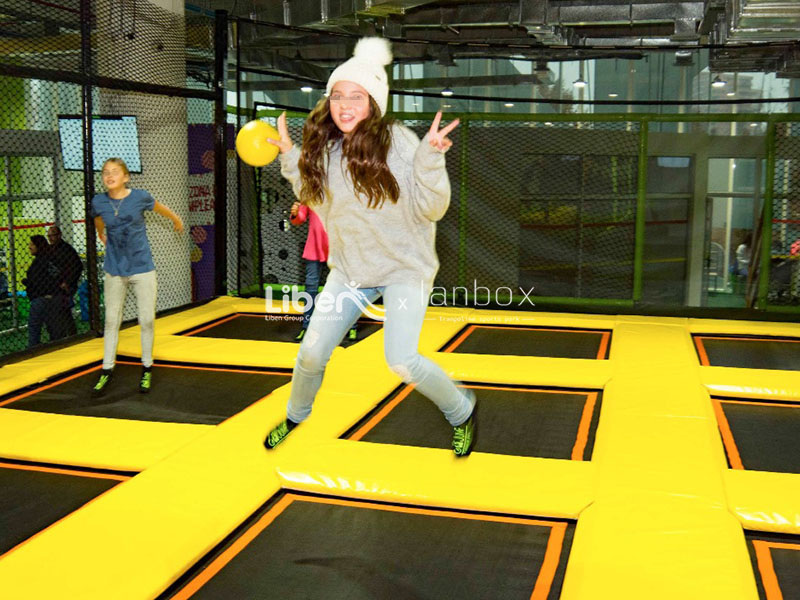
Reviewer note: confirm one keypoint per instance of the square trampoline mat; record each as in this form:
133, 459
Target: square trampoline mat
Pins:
311, 546
267, 328
513, 420
181, 393
760, 435
776, 563
748, 352
34, 496
531, 341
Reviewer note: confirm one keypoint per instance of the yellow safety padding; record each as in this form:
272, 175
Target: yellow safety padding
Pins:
525, 370
136, 539
39, 368
91, 441
206, 350
435, 477
726, 327
536, 319
765, 501
659, 513
659, 548
751, 383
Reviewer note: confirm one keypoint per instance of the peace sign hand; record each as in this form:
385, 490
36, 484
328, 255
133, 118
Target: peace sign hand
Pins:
438, 137
285, 143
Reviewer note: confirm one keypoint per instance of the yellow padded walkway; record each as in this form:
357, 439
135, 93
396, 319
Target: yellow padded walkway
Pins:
659, 514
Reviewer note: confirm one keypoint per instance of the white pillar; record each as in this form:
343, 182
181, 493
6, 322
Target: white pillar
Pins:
148, 46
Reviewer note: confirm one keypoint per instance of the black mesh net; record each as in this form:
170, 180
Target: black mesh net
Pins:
784, 280
153, 107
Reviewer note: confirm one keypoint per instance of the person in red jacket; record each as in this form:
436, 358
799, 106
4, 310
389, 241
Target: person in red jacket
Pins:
315, 254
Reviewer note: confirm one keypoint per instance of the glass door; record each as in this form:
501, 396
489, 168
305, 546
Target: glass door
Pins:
733, 206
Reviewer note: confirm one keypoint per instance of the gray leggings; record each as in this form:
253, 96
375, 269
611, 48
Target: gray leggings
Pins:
115, 289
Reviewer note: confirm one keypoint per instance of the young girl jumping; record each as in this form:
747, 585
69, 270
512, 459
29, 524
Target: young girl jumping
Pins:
119, 219
378, 191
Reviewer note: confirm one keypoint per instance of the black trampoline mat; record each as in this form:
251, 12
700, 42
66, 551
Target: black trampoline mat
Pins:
516, 421
530, 341
266, 328
307, 546
180, 393
760, 436
776, 563
749, 353
33, 497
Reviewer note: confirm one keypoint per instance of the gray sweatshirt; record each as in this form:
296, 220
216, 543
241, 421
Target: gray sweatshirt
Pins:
396, 243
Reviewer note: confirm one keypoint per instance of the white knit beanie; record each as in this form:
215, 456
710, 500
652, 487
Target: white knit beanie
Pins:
366, 68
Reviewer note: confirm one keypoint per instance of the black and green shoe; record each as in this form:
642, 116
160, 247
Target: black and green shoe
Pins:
279, 433
146, 381
352, 335
299, 337
102, 382
464, 435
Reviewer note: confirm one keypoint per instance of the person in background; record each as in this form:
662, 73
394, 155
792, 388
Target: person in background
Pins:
119, 219
70, 268
315, 254
743, 253
42, 286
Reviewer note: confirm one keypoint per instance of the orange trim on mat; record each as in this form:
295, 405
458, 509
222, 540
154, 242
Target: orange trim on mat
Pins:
747, 339
552, 554
63, 471
769, 579
727, 435
390, 406
38, 533
202, 368
582, 437
48, 386
237, 546
549, 563
125, 362
776, 404
542, 587
601, 351
213, 324
701, 350
457, 342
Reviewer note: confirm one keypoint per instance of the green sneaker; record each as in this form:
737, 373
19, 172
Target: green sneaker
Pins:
299, 337
102, 382
464, 435
352, 335
279, 433
146, 381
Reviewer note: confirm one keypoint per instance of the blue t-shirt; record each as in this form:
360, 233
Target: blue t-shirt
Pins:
127, 247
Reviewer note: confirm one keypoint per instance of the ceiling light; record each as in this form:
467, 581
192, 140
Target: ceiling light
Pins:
613, 95
731, 94
718, 82
508, 104
306, 89
447, 92
548, 123
580, 82
753, 124
447, 106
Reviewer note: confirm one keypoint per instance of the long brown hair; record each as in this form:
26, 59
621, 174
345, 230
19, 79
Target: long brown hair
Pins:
365, 149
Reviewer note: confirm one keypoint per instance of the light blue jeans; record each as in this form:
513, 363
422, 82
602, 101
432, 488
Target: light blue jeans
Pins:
336, 310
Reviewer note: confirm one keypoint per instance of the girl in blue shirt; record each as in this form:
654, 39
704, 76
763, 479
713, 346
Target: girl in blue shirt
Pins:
119, 219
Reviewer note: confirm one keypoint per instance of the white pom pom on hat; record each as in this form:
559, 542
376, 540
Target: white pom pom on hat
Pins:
366, 68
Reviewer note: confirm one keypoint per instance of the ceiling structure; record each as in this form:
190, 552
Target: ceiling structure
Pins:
743, 35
